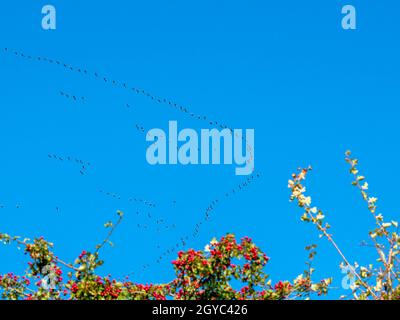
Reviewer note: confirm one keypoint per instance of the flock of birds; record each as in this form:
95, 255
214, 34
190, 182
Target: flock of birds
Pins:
124, 85
121, 84
140, 128
207, 213
135, 199
83, 165
160, 223
72, 97
16, 206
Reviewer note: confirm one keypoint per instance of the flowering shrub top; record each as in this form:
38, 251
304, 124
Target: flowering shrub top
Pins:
207, 275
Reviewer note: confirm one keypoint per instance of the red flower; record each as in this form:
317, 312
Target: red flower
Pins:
82, 254
74, 288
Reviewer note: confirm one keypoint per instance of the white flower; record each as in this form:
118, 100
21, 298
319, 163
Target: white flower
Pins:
307, 201
214, 242
372, 200
365, 186
313, 210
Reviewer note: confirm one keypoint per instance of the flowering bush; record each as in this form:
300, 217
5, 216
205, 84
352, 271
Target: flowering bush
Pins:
203, 275
227, 268
377, 282
207, 274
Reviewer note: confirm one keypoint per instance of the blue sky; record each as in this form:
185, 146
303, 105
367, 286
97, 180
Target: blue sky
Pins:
310, 89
